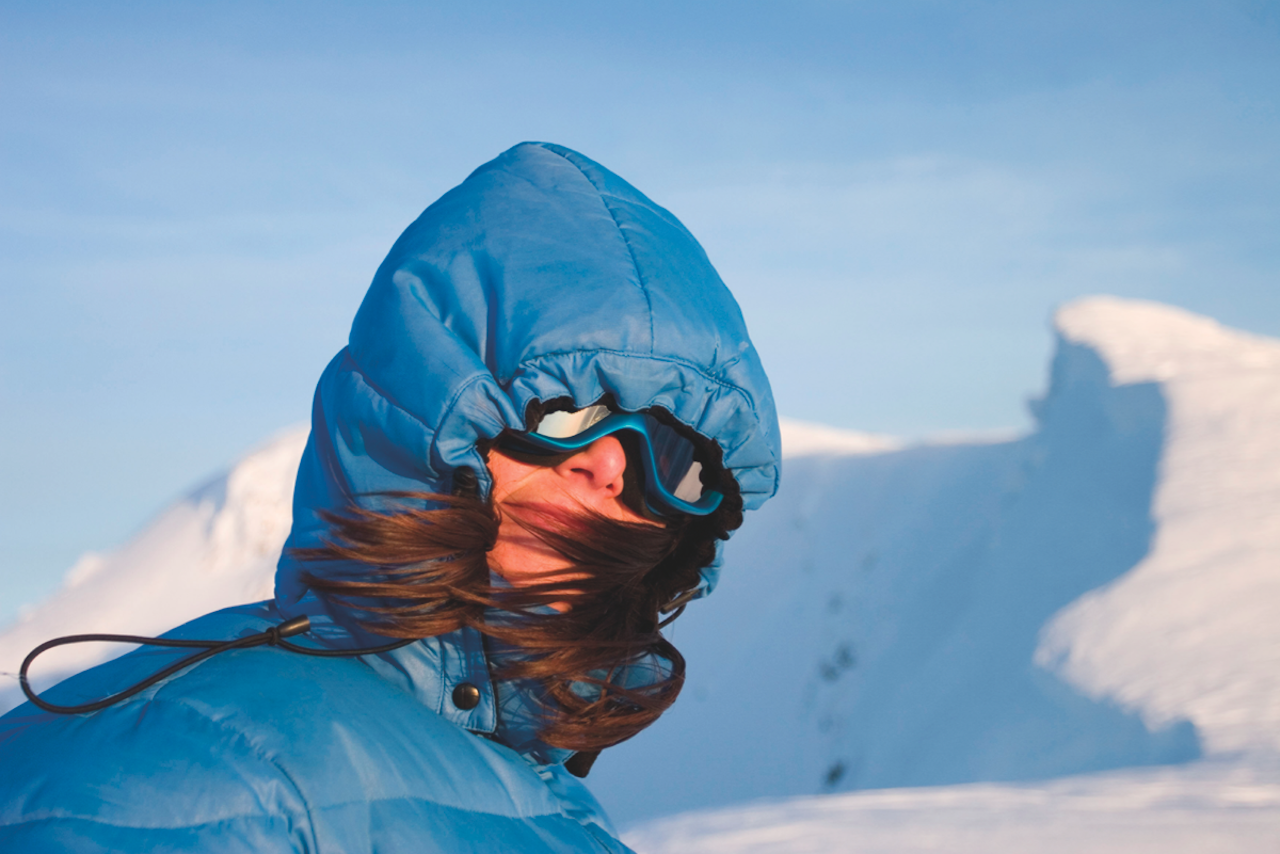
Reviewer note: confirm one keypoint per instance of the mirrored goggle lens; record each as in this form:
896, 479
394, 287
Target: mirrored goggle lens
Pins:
566, 425
673, 458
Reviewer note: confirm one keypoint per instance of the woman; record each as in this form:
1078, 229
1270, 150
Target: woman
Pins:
548, 417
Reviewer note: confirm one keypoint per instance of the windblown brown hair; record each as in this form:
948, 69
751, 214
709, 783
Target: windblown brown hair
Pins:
413, 573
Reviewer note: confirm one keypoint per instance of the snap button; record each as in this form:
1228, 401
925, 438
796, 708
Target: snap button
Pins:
466, 696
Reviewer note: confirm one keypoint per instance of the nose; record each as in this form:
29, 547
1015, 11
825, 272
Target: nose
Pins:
597, 470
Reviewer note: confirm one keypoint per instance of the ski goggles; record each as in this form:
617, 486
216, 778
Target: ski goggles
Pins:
672, 477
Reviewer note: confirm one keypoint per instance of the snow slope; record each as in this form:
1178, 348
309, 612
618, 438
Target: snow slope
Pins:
1100, 594
1206, 807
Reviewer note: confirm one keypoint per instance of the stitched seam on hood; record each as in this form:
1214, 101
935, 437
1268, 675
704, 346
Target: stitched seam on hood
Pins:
625, 241
693, 366
392, 402
434, 447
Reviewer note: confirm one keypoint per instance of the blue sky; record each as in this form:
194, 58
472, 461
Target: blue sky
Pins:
194, 197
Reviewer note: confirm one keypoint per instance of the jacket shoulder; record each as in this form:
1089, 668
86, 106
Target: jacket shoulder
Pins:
147, 778
264, 750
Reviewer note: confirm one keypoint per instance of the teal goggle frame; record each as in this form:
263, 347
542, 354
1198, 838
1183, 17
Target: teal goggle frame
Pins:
672, 477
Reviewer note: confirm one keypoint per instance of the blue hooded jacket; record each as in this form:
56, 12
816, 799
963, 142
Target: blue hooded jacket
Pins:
541, 276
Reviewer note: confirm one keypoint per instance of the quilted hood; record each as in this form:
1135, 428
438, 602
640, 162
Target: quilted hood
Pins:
543, 275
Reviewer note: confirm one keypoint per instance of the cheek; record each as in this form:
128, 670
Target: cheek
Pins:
522, 558
509, 474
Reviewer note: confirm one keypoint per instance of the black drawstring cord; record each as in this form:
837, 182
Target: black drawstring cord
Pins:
273, 636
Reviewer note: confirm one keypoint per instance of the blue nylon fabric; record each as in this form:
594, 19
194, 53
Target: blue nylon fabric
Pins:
541, 276
267, 751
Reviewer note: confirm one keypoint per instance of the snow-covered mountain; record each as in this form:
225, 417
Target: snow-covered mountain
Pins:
215, 547
1102, 593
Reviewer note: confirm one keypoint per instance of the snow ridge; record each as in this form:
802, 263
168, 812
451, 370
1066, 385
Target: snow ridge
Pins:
805, 439
1192, 630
